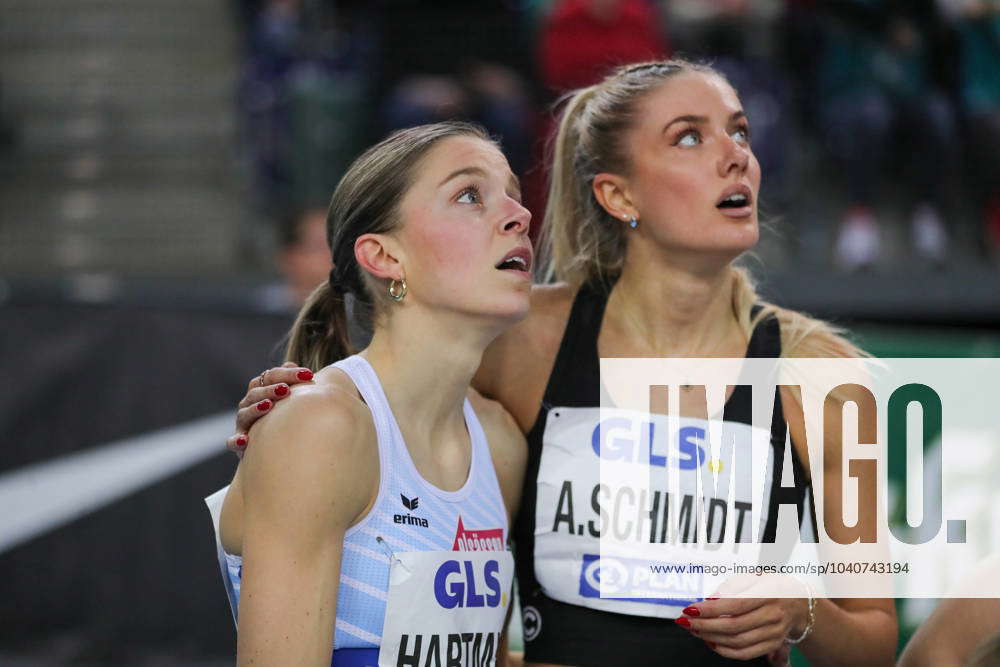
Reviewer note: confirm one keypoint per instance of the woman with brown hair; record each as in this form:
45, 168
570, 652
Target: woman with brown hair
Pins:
654, 193
369, 522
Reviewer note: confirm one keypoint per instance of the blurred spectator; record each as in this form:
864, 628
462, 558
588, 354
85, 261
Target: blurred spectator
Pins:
582, 40
579, 42
303, 260
488, 93
302, 98
881, 103
977, 23
455, 59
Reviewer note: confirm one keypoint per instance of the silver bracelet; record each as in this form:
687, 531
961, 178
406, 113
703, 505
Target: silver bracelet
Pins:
810, 622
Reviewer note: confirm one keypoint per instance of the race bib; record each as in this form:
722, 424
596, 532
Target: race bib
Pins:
666, 494
446, 608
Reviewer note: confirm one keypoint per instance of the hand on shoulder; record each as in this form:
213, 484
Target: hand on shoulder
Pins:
315, 450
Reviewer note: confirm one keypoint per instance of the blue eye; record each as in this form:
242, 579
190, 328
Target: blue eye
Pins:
689, 138
745, 132
469, 195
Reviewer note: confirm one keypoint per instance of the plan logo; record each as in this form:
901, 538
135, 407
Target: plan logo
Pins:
408, 519
630, 579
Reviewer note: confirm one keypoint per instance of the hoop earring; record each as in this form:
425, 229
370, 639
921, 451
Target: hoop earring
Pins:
397, 289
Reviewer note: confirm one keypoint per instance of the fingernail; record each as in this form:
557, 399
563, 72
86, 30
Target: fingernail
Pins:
305, 375
241, 441
683, 622
692, 611
711, 598
711, 645
281, 389
264, 405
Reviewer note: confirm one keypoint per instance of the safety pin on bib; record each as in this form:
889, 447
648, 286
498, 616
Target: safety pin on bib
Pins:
389, 552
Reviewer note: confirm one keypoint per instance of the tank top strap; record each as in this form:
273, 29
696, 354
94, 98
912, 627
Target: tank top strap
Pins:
765, 341
477, 436
482, 472
363, 375
577, 363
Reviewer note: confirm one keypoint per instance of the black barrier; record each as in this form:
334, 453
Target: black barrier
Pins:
137, 578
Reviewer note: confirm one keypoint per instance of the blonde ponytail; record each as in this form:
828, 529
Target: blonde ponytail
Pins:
585, 244
577, 240
801, 336
582, 241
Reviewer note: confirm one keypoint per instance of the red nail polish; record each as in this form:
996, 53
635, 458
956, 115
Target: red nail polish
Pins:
305, 375
711, 645
711, 598
281, 389
692, 611
241, 441
264, 405
683, 622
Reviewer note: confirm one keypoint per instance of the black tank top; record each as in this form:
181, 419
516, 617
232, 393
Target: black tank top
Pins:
568, 634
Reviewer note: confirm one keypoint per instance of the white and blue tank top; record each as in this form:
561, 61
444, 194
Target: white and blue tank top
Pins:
409, 514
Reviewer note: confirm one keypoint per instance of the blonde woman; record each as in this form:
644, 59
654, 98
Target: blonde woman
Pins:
654, 196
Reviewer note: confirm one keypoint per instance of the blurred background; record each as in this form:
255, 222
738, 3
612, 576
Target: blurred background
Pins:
164, 171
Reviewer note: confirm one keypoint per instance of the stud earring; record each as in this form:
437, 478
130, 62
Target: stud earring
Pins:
397, 289
633, 222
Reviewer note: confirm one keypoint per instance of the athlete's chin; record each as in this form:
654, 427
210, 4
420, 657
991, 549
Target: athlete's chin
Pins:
503, 310
513, 311
739, 238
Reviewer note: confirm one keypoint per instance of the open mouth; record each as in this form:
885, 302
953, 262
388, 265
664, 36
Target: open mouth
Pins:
518, 259
737, 200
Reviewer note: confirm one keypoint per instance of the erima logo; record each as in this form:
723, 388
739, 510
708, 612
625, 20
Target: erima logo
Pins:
410, 504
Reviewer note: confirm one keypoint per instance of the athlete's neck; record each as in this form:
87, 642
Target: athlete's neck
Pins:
425, 363
664, 308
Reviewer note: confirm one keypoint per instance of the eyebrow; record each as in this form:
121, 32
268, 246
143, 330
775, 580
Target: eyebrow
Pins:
513, 183
700, 120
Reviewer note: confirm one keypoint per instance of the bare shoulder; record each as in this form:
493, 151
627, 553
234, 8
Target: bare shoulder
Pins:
329, 405
320, 437
550, 303
517, 364
508, 448
501, 429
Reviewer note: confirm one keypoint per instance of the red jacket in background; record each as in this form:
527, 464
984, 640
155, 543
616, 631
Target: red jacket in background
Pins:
578, 48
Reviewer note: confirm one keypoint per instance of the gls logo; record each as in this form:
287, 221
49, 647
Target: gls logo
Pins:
690, 454
460, 591
410, 504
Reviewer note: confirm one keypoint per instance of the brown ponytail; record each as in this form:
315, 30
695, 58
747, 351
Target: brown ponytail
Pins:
319, 335
366, 201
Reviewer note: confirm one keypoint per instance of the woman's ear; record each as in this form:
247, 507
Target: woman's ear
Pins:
380, 255
611, 192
